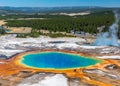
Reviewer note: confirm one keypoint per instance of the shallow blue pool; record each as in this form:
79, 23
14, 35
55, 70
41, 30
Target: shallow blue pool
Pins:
57, 60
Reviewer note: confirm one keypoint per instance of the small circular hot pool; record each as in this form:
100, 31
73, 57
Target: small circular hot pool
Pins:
57, 60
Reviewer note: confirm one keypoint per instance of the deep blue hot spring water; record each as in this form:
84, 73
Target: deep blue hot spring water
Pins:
57, 60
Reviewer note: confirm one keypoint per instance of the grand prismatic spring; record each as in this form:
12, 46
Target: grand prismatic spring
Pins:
57, 60
71, 63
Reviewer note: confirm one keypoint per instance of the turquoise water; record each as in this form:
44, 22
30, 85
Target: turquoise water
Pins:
6, 30
57, 60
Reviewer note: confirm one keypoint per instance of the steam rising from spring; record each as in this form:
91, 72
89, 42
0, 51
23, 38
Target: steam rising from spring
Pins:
109, 38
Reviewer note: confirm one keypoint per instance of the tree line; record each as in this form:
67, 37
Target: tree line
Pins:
87, 23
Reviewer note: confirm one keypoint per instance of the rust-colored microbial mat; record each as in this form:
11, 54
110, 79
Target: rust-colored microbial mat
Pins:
12, 67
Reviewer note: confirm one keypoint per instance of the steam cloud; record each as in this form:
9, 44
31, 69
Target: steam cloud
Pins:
109, 38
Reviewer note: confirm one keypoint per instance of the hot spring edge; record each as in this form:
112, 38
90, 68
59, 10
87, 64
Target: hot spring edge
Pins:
56, 60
